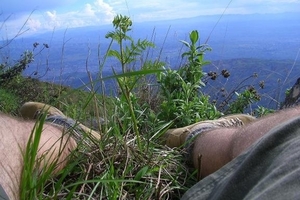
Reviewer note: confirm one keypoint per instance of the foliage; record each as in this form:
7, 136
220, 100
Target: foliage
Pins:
127, 54
192, 72
244, 99
239, 99
183, 101
7, 73
8, 101
32, 180
262, 111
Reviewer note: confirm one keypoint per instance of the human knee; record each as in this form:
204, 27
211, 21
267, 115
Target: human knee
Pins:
212, 150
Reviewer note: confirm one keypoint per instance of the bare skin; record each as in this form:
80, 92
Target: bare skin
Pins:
218, 147
14, 135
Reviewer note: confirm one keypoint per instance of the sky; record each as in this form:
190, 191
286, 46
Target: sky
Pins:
36, 16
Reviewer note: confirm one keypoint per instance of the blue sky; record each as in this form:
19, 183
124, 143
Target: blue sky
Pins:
48, 15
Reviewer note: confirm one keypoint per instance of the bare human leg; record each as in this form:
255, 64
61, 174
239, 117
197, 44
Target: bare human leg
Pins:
213, 149
14, 135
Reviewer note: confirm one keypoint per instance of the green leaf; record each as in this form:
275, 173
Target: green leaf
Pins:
114, 53
185, 54
185, 43
134, 73
110, 34
141, 173
194, 36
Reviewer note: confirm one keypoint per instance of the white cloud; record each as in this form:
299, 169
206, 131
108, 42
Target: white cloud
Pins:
15, 25
158, 10
94, 14
88, 10
51, 15
34, 24
76, 13
100, 10
97, 13
51, 20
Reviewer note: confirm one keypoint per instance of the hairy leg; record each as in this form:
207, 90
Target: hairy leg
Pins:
246, 136
214, 149
14, 135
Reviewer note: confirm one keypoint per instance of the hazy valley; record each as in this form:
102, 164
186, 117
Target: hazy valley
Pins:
243, 44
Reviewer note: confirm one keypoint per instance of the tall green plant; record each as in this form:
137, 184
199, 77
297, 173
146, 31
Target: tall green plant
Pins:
192, 72
183, 100
129, 51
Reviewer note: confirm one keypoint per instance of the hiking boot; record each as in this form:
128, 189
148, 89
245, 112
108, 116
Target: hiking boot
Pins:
34, 110
179, 136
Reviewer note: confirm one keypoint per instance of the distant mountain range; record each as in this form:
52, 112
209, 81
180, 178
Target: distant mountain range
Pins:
277, 76
266, 43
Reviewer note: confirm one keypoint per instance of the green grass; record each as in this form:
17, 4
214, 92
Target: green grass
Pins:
75, 103
9, 101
